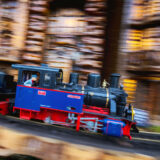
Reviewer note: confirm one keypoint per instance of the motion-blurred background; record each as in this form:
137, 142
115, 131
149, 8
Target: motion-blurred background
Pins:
86, 36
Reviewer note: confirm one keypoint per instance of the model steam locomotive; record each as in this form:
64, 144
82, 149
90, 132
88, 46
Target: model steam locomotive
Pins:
91, 107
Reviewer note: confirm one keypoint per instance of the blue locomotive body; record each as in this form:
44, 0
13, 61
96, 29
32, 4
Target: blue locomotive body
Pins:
32, 98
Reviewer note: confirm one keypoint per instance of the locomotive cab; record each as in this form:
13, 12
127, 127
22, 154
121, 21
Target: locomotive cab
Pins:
45, 77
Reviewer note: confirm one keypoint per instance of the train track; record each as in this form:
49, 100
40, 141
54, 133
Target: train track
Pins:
143, 143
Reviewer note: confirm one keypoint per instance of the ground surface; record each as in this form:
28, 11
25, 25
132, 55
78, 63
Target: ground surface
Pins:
143, 143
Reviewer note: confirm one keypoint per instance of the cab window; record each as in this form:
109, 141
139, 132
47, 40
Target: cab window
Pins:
47, 79
30, 78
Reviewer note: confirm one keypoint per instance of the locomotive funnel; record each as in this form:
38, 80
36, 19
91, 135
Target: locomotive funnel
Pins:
94, 80
114, 80
74, 78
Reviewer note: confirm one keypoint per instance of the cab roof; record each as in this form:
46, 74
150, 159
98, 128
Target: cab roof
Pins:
35, 68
